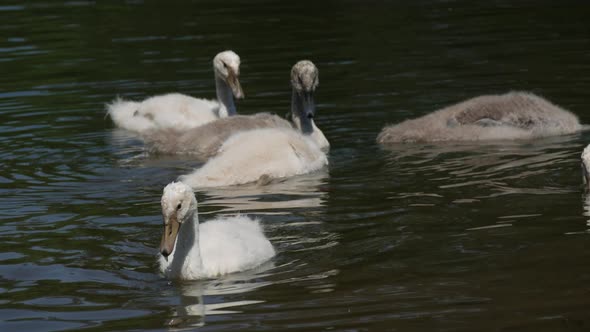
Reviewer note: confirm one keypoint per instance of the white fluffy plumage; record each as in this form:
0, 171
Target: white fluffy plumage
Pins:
586, 165
213, 248
179, 111
205, 141
269, 153
259, 154
173, 110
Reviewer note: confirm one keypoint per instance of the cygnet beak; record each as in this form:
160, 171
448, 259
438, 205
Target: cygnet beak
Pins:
171, 227
234, 84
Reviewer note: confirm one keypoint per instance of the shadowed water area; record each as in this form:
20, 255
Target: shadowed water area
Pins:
413, 237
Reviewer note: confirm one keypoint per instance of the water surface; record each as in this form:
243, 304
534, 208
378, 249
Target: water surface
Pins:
418, 237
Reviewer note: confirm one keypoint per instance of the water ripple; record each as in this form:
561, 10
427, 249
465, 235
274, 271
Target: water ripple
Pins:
411, 237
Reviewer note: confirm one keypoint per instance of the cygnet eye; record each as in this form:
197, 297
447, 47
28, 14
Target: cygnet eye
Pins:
178, 206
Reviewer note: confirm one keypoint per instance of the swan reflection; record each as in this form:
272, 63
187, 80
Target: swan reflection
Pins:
586, 212
486, 169
275, 197
192, 309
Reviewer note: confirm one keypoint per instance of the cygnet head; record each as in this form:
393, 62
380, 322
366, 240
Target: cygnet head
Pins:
304, 76
227, 67
178, 206
586, 166
304, 80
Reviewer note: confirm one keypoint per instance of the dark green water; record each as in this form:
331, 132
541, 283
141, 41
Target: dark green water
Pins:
440, 237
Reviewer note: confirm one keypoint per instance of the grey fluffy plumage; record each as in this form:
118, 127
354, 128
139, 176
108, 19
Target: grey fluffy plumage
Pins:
204, 142
514, 115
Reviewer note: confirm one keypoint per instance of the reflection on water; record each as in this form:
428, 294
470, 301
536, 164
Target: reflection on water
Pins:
276, 197
200, 299
192, 309
586, 214
415, 237
274, 204
485, 170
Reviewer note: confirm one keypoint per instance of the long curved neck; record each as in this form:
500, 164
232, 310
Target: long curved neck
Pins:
302, 105
187, 253
299, 113
225, 96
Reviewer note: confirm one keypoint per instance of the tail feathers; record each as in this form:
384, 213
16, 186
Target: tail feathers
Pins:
124, 115
121, 107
